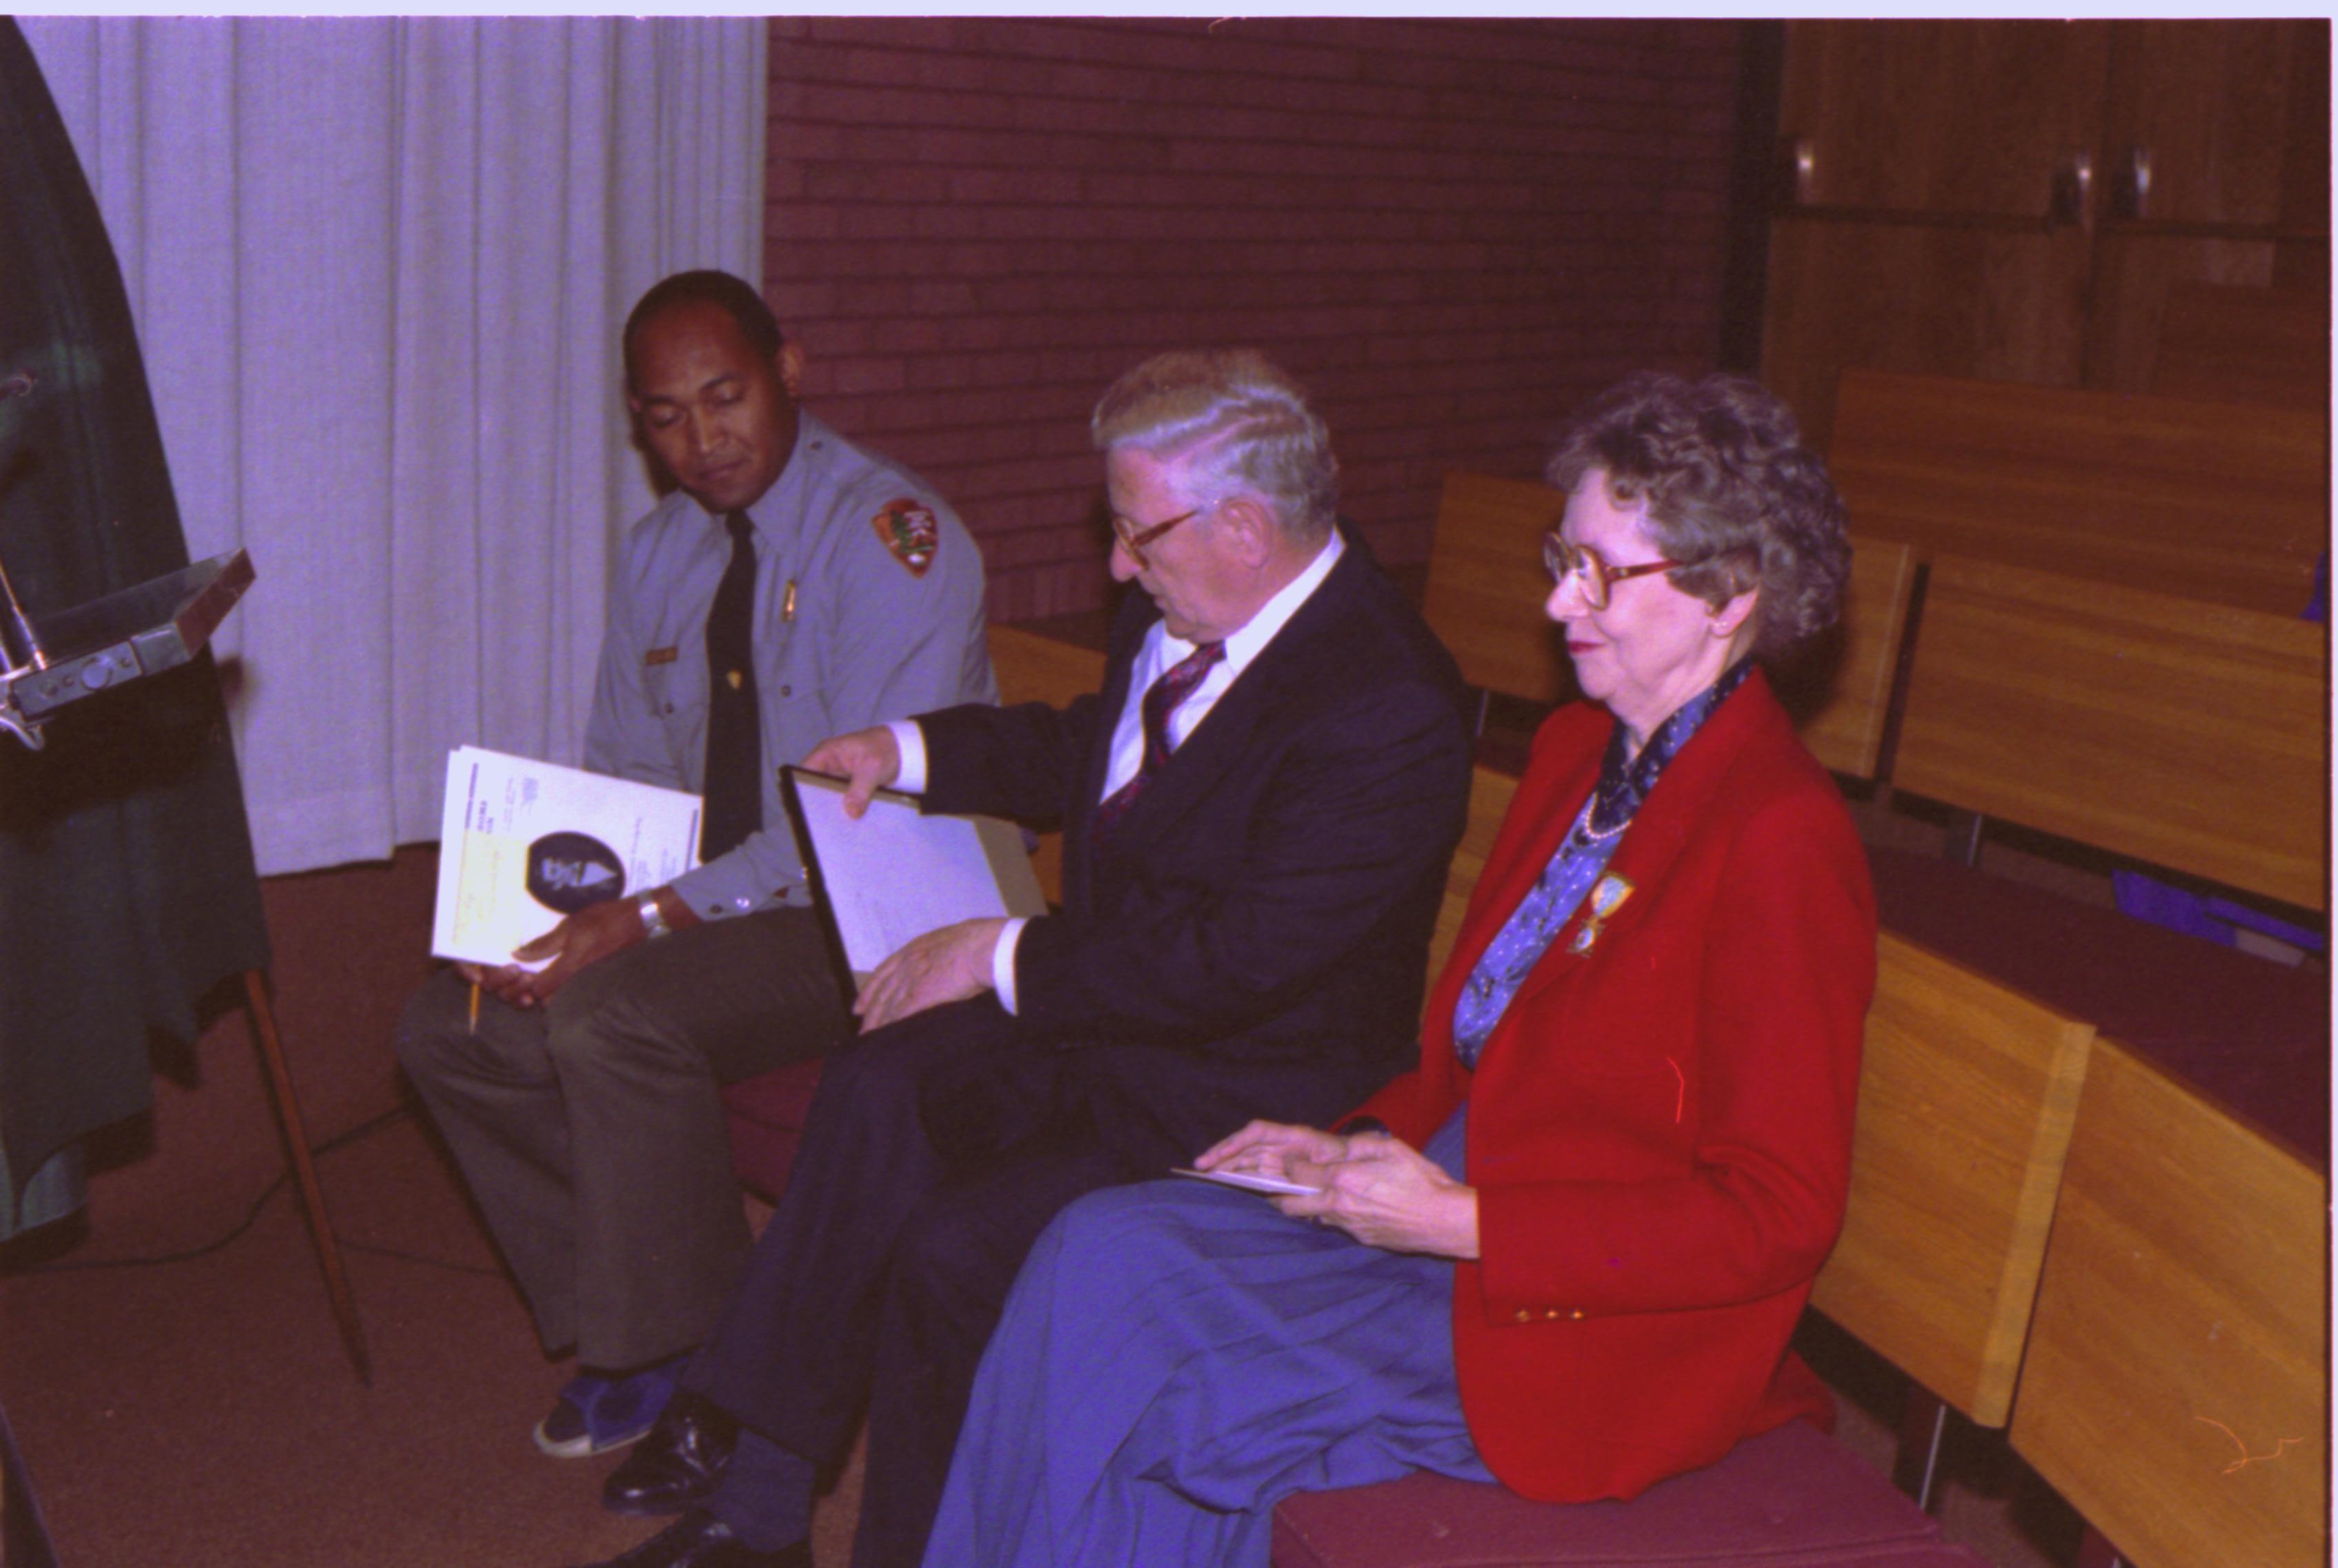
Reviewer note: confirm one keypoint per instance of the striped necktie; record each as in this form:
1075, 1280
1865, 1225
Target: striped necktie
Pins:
1176, 684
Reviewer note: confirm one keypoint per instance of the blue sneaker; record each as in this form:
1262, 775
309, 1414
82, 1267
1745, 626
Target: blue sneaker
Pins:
594, 1413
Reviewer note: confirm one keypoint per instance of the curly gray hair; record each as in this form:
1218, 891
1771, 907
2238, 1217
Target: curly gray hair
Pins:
1730, 489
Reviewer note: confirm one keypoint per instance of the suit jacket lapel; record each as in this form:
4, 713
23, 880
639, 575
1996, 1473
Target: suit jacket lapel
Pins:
1120, 668
1127, 639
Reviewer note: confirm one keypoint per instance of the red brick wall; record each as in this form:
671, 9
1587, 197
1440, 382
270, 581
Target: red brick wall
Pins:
1450, 230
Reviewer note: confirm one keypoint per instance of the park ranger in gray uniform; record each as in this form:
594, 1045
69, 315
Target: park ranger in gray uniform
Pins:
793, 587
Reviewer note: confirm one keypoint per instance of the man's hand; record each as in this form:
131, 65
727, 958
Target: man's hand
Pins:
1388, 1194
587, 936
950, 964
505, 981
869, 759
1276, 1148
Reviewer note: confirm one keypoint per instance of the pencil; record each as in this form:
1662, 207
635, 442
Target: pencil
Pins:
475, 1006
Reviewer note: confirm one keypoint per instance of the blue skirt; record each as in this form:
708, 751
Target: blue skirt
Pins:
1178, 1356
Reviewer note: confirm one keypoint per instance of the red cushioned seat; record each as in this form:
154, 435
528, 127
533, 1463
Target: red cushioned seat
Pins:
2249, 1031
767, 1118
1791, 1498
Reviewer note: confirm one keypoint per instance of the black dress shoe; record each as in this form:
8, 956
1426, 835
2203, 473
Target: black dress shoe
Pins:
698, 1540
679, 1464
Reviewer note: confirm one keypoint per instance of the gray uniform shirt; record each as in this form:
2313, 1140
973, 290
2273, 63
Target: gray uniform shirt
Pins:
871, 637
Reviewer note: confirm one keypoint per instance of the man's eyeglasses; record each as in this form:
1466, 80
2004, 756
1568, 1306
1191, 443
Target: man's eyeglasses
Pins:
1133, 539
1594, 577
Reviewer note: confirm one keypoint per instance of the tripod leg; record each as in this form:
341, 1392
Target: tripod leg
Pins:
304, 1172
24, 1539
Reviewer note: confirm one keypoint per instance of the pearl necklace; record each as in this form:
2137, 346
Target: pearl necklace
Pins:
1594, 835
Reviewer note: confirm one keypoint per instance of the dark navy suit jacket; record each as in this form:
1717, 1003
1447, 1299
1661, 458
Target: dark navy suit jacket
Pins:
1250, 937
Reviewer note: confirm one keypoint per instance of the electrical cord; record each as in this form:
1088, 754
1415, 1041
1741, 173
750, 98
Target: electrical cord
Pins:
252, 1217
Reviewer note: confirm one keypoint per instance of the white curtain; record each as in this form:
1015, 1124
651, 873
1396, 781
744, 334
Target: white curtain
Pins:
379, 267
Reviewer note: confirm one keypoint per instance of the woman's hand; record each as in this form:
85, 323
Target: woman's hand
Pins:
1388, 1194
1276, 1148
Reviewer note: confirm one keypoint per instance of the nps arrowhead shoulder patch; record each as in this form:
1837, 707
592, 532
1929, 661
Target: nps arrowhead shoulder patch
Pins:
908, 528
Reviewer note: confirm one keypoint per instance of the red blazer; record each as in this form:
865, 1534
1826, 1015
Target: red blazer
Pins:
1659, 1126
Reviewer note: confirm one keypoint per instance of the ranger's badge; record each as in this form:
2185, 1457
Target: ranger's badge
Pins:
909, 530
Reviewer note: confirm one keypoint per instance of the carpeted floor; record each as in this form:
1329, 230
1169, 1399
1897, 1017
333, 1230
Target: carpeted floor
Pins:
201, 1411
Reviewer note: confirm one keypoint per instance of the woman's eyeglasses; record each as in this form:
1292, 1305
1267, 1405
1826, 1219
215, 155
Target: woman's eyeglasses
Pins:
1594, 577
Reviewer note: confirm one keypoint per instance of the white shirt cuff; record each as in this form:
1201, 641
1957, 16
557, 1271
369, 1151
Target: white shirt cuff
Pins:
1002, 960
911, 780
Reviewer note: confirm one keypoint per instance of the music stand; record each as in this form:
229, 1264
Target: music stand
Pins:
75, 654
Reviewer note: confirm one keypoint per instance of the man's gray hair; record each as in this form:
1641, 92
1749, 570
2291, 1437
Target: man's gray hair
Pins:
1235, 424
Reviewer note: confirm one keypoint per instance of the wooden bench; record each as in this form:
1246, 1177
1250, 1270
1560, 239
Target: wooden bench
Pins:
2189, 735
1490, 793
1485, 601
1486, 586
1966, 1098
2176, 1391
1841, 692
1031, 668
2225, 503
2186, 736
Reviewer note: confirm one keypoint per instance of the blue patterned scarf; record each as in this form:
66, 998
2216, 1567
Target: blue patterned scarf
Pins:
1624, 782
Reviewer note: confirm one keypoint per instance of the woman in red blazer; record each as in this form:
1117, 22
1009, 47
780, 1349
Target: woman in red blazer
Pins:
1591, 1216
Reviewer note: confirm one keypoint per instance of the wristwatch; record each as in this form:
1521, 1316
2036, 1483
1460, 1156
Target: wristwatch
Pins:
653, 917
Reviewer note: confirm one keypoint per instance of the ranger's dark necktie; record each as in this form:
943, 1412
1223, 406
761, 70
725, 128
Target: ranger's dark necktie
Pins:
734, 728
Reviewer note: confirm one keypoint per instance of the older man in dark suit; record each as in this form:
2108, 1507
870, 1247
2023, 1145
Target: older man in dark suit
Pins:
1258, 809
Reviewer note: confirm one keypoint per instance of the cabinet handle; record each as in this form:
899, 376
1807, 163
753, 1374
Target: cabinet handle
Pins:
2074, 184
2131, 197
1798, 167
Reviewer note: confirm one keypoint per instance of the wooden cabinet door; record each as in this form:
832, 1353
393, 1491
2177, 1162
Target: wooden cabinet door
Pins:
2216, 169
1932, 218
2228, 122
1937, 118
1923, 235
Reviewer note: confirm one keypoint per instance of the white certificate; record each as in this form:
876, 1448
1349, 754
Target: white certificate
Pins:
1248, 1181
524, 844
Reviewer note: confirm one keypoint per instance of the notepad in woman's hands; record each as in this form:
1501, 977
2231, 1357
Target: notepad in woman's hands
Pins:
1248, 1183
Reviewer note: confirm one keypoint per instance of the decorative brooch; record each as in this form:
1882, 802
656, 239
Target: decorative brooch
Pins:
1606, 896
